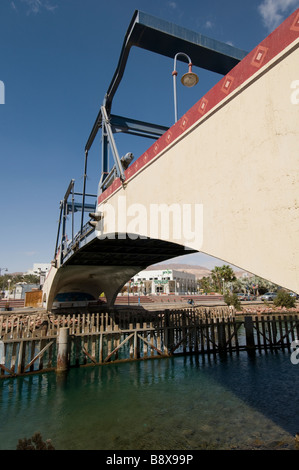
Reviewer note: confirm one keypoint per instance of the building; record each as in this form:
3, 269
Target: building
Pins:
41, 270
21, 289
163, 281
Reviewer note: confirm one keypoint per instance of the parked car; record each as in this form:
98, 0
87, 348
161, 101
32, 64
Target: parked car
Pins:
246, 297
250, 297
292, 294
240, 296
269, 296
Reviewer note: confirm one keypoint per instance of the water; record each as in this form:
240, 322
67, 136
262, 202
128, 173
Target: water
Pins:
230, 402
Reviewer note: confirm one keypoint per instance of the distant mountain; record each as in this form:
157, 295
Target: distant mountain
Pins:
198, 271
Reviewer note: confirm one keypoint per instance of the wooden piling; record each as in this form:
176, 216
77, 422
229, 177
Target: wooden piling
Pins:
62, 352
221, 335
249, 333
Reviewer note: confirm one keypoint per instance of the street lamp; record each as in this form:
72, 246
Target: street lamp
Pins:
189, 79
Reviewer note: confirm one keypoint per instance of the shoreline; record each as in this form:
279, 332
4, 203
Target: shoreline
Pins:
252, 309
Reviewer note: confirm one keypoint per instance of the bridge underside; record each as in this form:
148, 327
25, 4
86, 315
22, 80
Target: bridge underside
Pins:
106, 265
125, 251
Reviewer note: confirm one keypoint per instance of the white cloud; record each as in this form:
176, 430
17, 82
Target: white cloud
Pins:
273, 12
35, 6
31, 253
172, 5
209, 24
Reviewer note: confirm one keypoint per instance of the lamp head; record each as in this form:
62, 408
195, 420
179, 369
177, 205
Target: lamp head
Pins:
189, 79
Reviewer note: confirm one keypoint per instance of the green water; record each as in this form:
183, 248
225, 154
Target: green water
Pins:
230, 402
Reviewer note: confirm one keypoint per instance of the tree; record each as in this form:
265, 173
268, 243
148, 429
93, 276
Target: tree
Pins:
232, 299
16, 278
31, 279
253, 284
205, 284
284, 299
220, 275
259, 286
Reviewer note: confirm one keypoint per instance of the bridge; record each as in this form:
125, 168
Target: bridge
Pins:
223, 180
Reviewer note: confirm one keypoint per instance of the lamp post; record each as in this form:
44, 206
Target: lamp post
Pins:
189, 79
8, 281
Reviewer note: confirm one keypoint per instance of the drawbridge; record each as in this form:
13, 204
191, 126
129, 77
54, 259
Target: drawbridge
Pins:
237, 196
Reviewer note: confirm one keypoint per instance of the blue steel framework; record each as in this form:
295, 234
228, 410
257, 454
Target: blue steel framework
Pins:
155, 35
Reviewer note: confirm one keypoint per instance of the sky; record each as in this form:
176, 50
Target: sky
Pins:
57, 59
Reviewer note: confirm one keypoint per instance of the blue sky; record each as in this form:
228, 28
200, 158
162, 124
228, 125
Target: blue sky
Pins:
57, 60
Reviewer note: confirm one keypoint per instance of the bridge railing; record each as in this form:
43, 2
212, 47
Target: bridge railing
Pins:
68, 235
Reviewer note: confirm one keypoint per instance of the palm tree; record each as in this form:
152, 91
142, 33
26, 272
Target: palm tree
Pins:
205, 283
222, 274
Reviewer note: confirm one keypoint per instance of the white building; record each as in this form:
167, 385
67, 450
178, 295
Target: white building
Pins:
164, 281
40, 269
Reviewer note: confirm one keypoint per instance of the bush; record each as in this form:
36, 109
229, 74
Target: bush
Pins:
284, 299
232, 299
35, 443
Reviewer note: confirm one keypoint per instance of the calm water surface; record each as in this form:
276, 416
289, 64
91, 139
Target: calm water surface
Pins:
230, 402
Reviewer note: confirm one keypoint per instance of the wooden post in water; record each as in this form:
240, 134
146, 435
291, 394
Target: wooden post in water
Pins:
135, 353
221, 334
166, 331
248, 323
62, 352
2, 356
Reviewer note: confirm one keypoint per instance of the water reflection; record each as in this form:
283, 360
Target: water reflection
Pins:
195, 402
266, 381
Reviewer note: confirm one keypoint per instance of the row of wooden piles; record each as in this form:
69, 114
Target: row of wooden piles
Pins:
30, 343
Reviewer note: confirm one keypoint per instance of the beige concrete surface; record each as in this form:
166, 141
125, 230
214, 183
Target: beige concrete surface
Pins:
241, 165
